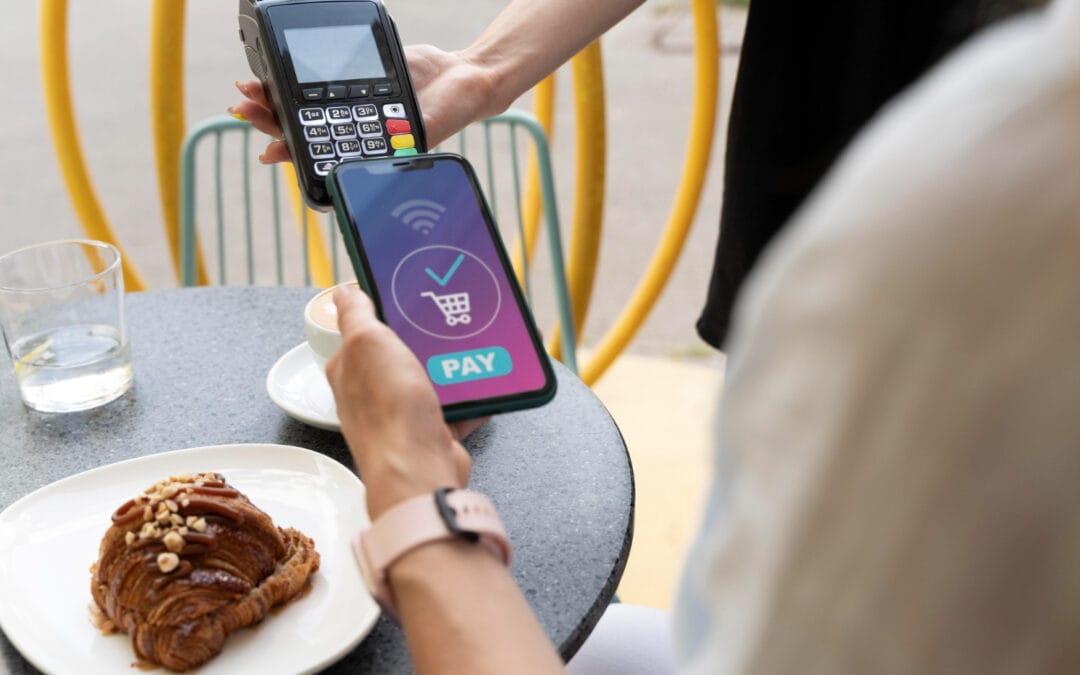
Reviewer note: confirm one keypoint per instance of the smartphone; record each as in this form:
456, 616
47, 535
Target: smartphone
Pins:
427, 250
335, 74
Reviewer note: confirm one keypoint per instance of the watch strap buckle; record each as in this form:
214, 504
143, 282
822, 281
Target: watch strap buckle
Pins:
449, 516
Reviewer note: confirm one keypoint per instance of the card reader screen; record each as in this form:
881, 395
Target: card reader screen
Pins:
334, 53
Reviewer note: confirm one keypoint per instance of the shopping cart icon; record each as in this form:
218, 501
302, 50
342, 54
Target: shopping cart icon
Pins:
454, 306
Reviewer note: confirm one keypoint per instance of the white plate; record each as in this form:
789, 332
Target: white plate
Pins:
49, 539
298, 386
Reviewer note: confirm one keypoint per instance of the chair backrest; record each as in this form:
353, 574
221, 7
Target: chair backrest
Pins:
237, 216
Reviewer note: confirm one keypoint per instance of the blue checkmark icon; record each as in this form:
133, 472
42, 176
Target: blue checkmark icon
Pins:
445, 279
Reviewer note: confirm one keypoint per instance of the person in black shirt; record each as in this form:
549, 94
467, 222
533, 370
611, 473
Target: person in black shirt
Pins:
810, 76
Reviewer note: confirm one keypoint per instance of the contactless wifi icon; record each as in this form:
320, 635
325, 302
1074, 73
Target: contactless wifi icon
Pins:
422, 215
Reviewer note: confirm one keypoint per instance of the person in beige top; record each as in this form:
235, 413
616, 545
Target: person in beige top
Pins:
900, 431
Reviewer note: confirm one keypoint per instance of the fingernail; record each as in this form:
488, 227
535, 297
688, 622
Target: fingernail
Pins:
263, 159
240, 87
238, 116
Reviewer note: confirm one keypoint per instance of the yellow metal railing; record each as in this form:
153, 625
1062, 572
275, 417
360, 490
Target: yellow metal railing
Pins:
698, 149
167, 115
166, 77
591, 152
57, 89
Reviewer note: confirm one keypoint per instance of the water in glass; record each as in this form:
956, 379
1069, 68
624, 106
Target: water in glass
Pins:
72, 367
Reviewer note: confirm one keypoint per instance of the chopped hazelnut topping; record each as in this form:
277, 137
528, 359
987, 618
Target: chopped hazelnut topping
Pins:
167, 562
161, 510
173, 541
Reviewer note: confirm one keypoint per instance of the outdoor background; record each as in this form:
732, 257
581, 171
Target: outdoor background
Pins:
664, 389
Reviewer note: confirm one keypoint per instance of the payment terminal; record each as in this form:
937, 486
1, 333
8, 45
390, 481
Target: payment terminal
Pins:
336, 76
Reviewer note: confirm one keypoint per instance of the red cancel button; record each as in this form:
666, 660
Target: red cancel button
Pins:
398, 126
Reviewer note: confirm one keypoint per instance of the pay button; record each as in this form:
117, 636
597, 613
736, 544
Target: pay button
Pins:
475, 364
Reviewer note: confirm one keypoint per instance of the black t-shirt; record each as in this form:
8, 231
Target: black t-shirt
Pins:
811, 74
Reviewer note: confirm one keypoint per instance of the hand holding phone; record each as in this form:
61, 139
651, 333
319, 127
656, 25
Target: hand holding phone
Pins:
426, 248
388, 411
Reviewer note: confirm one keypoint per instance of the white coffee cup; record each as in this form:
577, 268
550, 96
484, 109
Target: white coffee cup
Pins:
320, 326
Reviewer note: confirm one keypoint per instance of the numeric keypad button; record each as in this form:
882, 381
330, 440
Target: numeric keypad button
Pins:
343, 131
369, 129
312, 116
374, 146
365, 112
348, 148
321, 150
319, 133
338, 113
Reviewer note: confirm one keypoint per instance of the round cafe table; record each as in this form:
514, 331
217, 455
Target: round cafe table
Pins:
560, 474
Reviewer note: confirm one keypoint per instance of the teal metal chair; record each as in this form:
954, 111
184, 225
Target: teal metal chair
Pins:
240, 204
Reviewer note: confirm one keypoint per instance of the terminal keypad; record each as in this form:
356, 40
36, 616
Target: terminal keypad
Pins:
342, 129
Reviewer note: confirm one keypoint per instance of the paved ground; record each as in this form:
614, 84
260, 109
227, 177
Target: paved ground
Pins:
662, 394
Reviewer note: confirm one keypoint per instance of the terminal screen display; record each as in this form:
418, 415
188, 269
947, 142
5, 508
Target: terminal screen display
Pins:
334, 53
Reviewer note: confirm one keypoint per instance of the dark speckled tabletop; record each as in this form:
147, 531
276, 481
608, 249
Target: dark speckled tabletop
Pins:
560, 474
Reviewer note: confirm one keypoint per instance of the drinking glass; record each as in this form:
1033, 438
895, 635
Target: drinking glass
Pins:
62, 319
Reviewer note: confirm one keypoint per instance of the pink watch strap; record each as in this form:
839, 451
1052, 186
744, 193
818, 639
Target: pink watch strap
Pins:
444, 514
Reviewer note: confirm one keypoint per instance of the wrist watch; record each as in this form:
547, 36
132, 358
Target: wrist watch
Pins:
448, 513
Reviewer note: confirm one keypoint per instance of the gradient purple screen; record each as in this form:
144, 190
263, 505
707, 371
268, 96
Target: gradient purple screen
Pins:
441, 284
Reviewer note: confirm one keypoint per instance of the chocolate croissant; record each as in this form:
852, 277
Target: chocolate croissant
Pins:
190, 561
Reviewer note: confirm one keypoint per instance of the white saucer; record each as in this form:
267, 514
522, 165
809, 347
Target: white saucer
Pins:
297, 384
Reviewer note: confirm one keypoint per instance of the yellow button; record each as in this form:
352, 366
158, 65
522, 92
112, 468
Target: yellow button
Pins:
402, 141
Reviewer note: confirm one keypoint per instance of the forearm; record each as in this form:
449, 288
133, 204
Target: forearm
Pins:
529, 40
463, 613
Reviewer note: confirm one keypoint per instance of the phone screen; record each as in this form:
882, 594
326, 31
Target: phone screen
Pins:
440, 276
